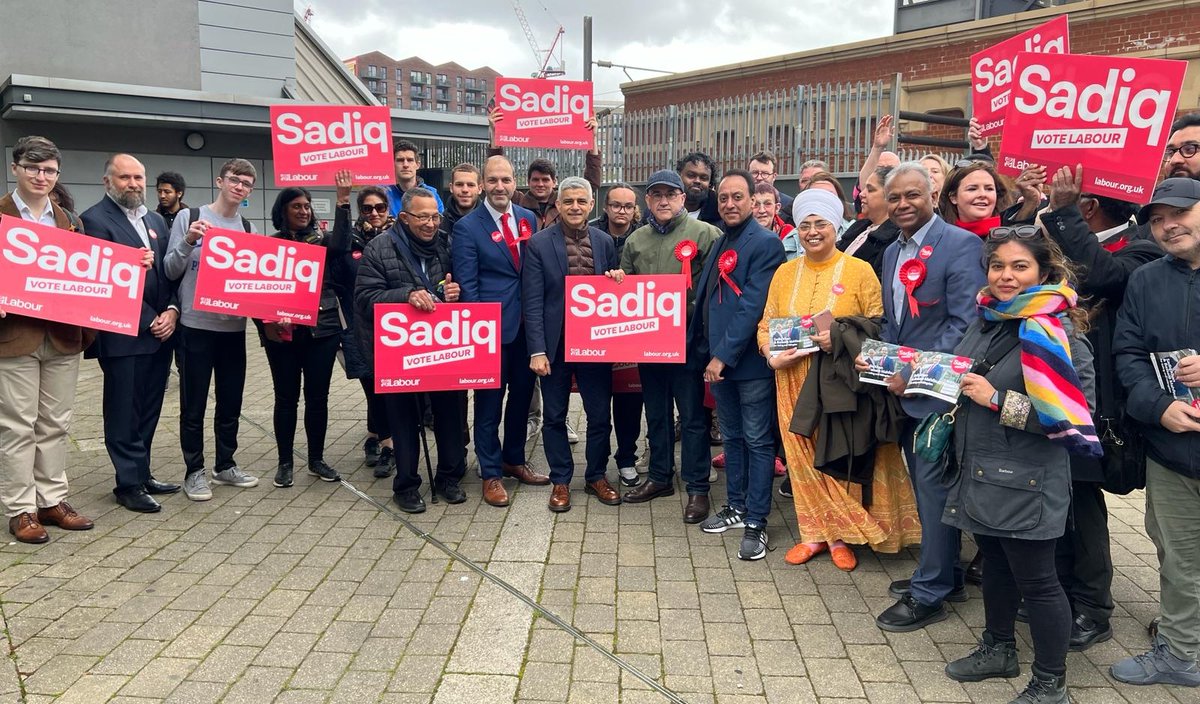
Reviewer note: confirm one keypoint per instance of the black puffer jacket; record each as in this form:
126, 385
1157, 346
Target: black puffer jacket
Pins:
1161, 313
1102, 281
388, 274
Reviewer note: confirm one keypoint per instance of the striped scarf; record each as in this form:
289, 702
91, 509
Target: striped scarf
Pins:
1050, 379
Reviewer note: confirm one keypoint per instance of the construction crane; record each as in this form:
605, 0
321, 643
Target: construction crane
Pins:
542, 58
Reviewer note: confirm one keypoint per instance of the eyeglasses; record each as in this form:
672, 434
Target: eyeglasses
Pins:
762, 174
33, 170
1021, 232
622, 207
1187, 149
659, 195
963, 163
248, 185
369, 208
425, 217
804, 228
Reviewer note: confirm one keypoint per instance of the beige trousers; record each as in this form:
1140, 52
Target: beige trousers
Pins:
37, 393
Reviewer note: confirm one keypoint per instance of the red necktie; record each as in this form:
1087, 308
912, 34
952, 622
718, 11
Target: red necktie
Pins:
511, 240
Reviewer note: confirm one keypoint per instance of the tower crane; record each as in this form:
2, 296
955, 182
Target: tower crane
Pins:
542, 58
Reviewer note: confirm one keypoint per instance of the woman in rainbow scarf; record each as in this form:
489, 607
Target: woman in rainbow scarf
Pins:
1017, 424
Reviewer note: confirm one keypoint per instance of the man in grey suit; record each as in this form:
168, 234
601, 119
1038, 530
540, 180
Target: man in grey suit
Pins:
931, 276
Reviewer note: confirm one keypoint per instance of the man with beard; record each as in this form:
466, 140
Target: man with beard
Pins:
699, 172
464, 196
487, 251
135, 367
569, 248
725, 329
1160, 314
170, 187
661, 247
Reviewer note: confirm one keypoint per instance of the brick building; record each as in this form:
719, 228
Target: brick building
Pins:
416, 84
920, 71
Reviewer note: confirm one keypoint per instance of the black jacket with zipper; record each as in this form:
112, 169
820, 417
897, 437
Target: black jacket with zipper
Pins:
1161, 313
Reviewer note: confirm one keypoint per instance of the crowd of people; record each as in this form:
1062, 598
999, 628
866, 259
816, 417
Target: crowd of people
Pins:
1059, 297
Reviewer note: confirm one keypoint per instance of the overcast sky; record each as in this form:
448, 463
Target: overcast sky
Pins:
672, 35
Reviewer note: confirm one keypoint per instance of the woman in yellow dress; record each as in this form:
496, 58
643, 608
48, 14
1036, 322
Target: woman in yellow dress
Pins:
829, 512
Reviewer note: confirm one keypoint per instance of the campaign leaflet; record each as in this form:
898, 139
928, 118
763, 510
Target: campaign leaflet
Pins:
1111, 114
791, 333
541, 112
992, 70
67, 277
454, 346
1164, 366
311, 143
261, 277
641, 319
885, 360
938, 374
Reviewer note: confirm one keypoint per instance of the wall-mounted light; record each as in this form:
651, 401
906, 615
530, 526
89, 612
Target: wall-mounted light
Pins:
194, 141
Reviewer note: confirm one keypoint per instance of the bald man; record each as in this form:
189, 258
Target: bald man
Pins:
135, 368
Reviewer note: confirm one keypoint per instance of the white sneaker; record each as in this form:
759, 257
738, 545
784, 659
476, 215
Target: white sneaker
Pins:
234, 476
195, 486
629, 476
532, 427
572, 436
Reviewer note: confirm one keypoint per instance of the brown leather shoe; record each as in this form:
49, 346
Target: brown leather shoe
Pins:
696, 509
647, 491
494, 493
524, 474
560, 498
603, 491
64, 517
25, 528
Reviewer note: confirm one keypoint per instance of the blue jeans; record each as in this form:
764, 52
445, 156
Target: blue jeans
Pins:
745, 409
938, 571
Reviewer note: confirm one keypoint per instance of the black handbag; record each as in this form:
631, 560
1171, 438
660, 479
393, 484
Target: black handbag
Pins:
1124, 462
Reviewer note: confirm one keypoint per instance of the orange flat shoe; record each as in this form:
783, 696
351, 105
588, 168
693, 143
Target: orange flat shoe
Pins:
843, 558
801, 553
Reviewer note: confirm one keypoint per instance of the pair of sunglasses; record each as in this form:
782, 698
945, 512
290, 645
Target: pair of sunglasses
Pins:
1021, 232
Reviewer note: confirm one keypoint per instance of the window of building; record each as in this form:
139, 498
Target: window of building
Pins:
370, 71
399, 102
459, 95
414, 76
417, 105
383, 72
470, 109
399, 88
470, 83
373, 86
460, 109
443, 107
442, 80
481, 84
458, 81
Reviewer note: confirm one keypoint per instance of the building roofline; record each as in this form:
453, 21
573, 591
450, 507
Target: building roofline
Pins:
1002, 26
333, 60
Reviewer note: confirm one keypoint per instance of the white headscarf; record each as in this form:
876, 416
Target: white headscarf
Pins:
817, 201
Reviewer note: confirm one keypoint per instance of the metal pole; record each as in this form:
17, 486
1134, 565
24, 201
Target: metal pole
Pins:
587, 47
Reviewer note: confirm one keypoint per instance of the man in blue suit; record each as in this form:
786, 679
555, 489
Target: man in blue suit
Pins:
135, 367
943, 267
569, 247
487, 258
730, 298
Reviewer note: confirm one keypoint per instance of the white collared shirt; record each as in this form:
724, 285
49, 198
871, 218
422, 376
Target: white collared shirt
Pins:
45, 218
135, 219
1112, 232
512, 222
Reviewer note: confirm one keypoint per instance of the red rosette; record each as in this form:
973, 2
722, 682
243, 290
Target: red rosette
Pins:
523, 231
726, 264
685, 252
912, 275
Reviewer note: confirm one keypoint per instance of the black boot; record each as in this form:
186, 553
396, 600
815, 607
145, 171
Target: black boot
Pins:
974, 571
1044, 689
991, 658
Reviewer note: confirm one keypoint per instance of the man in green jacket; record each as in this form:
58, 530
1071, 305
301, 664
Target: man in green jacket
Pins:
653, 249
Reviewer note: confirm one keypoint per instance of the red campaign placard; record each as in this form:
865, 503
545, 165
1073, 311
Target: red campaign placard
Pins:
311, 143
262, 277
642, 319
455, 346
1112, 114
992, 69
540, 112
67, 277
